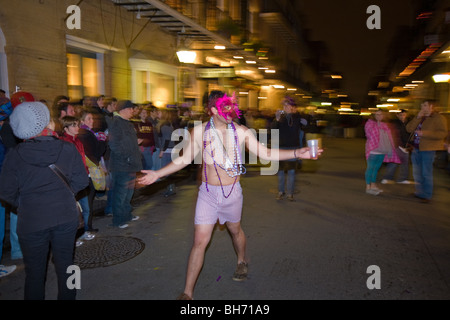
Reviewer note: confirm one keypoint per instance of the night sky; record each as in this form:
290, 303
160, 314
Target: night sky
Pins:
356, 52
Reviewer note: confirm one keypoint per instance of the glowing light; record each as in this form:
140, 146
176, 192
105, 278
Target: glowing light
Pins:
186, 56
439, 78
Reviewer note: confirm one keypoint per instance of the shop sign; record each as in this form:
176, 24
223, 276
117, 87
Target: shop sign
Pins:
216, 73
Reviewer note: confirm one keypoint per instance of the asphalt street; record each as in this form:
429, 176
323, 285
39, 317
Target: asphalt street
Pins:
335, 242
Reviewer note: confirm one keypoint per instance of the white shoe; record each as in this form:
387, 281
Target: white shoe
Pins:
123, 226
135, 218
79, 243
386, 181
405, 182
87, 236
372, 192
6, 271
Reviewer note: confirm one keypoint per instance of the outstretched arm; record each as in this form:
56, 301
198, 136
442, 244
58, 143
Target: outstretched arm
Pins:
257, 148
191, 149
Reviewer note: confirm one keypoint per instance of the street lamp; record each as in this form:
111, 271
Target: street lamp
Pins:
185, 56
438, 78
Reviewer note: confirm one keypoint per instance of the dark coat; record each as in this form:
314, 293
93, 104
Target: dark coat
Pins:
40, 196
93, 148
289, 129
125, 154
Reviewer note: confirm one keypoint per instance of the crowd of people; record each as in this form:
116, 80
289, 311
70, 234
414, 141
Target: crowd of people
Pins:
402, 142
97, 147
55, 156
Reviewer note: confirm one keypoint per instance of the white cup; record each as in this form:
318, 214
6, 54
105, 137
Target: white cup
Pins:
313, 145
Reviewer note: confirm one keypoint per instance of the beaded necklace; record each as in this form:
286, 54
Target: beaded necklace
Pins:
233, 169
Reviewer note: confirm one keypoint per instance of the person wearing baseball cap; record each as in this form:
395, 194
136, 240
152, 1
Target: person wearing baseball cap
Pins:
125, 162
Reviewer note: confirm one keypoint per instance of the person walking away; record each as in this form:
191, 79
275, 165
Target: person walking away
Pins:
430, 130
125, 162
46, 207
379, 148
218, 142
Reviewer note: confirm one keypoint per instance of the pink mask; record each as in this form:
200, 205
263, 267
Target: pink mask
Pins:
228, 107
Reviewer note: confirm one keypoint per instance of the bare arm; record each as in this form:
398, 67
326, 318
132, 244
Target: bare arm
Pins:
257, 148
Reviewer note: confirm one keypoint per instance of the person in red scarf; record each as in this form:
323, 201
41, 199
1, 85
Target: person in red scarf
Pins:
71, 128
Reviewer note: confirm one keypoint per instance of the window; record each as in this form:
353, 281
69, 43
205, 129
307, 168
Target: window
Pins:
85, 67
82, 74
153, 81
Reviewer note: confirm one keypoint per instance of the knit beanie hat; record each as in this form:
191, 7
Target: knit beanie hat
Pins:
29, 119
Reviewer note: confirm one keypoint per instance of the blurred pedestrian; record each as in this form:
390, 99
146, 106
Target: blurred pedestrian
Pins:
47, 210
288, 122
430, 131
379, 148
401, 140
125, 162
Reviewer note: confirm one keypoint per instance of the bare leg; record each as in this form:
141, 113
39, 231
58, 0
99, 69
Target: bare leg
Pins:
239, 240
202, 236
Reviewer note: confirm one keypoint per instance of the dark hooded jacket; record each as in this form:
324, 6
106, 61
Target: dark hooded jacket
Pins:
125, 154
27, 183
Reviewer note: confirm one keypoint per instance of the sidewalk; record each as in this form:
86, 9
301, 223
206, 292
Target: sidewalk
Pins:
318, 247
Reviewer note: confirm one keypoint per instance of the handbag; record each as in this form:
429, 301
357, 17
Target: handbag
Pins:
58, 172
97, 175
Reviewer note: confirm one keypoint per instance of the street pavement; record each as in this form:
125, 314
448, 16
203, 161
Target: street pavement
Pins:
323, 246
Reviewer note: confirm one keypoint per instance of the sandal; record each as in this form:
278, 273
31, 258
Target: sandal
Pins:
241, 272
184, 296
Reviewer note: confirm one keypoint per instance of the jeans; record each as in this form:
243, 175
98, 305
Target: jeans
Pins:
156, 160
36, 247
391, 167
123, 186
16, 252
147, 157
290, 181
422, 162
374, 163
84, 203
109, 199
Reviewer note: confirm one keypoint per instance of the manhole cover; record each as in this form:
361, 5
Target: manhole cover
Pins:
107, 251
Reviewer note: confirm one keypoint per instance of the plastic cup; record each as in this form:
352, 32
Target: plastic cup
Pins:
313, 145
